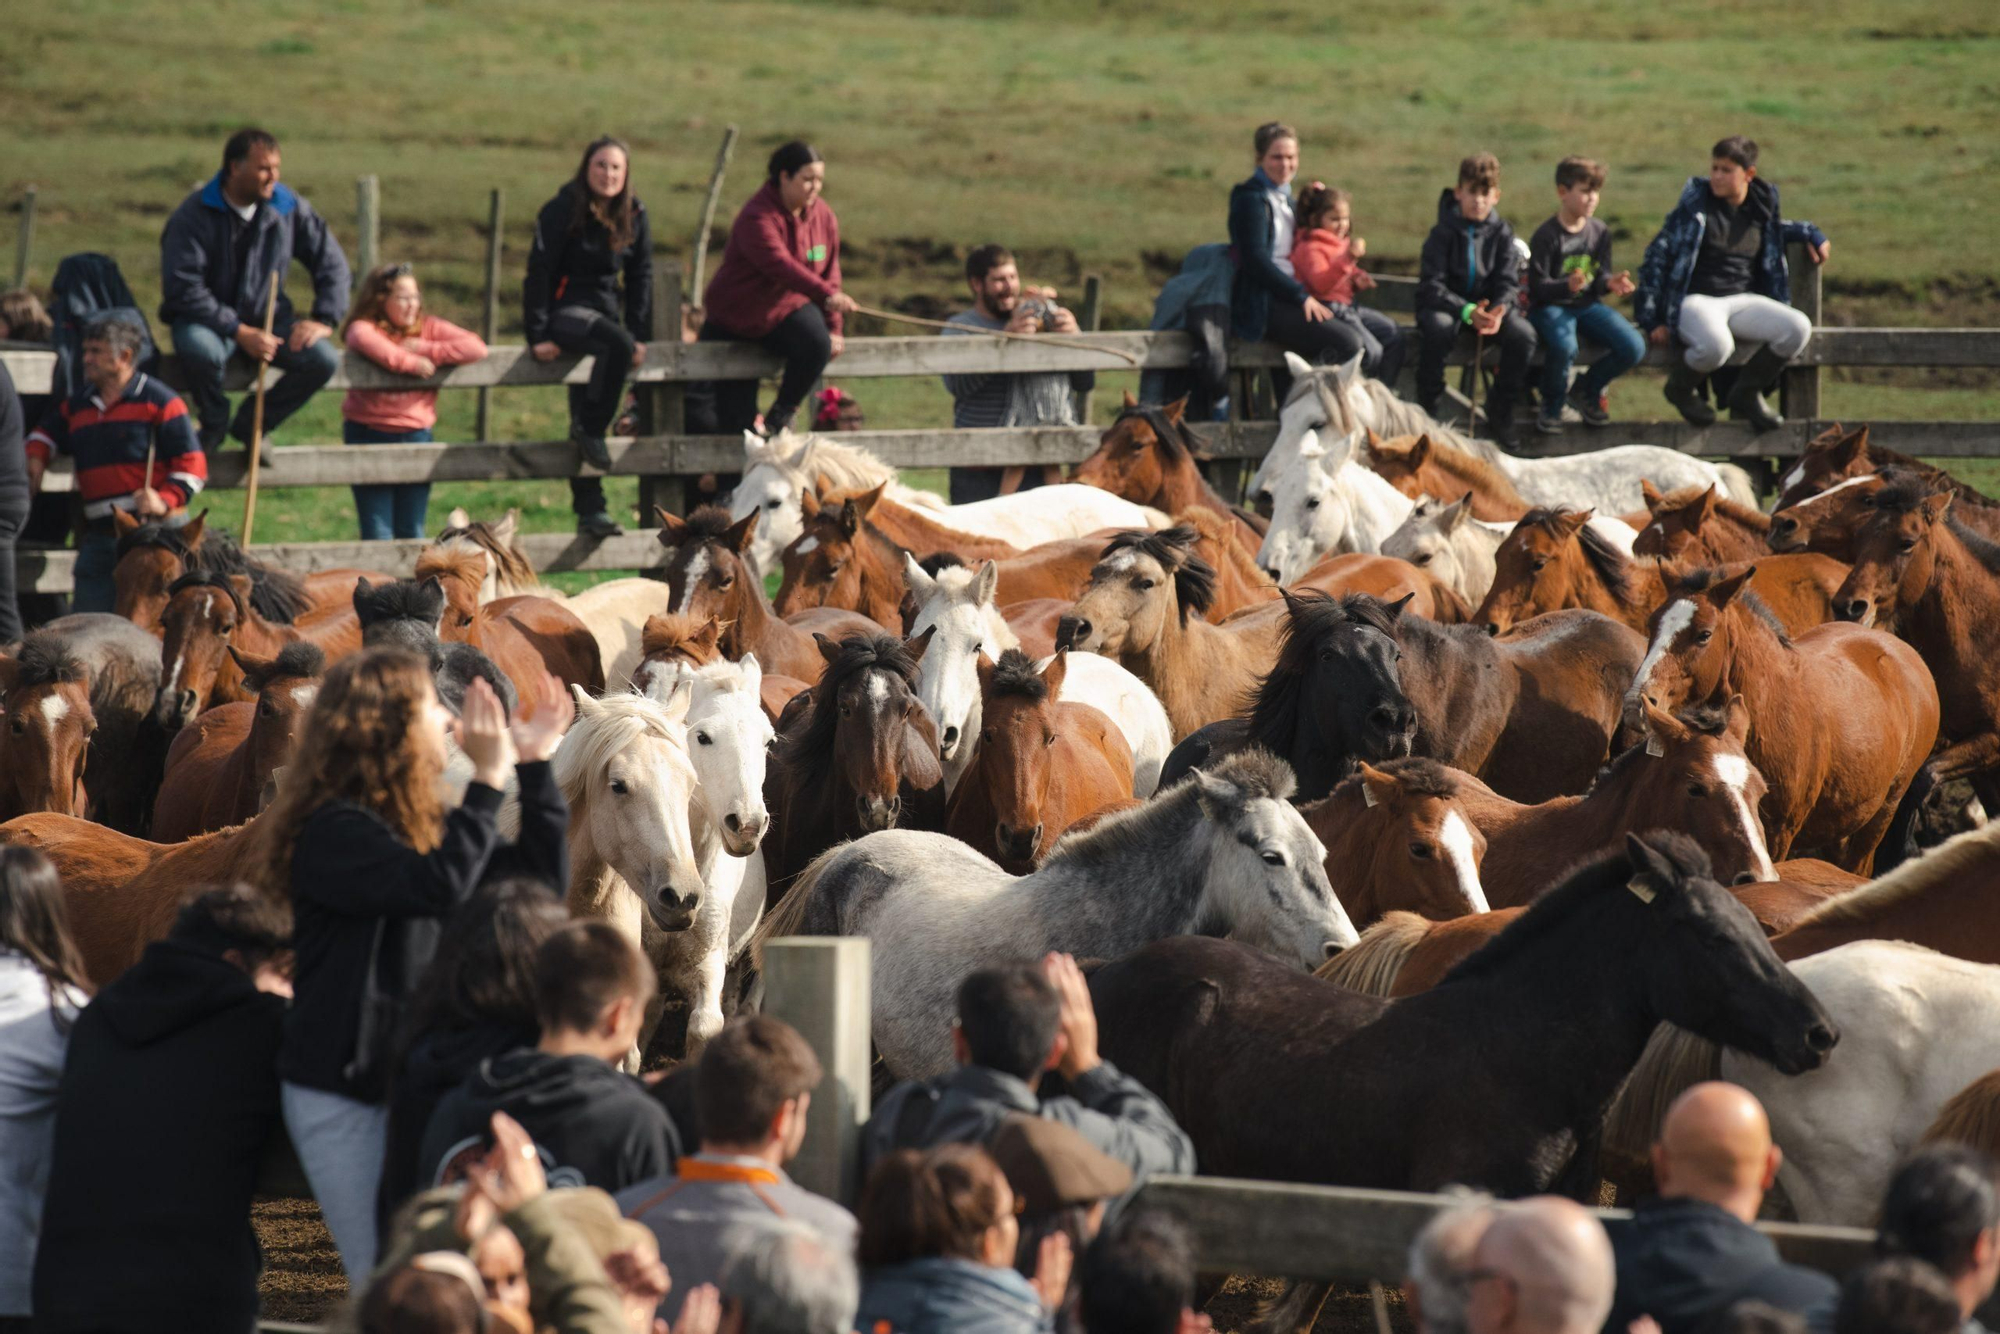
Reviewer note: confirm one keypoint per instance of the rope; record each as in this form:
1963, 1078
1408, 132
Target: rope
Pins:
1055, 339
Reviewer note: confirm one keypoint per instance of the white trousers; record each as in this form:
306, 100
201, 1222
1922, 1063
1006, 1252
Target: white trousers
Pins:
341, 1144
1711, 326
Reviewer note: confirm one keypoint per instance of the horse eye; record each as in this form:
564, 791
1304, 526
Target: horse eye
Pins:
701, 738
1907, 544
20, 729
1704, 636
1312, 502
847, 710
1144, 585
1274, 859
1421, 851
1538, 563
771, 504
725, 581
618, 786
1697, 790
1048, 738
1421, 559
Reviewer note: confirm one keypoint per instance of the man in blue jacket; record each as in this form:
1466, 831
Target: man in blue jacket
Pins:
217, 255
1715, 275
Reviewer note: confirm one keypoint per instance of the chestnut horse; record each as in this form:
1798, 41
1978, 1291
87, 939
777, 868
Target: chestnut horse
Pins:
1389, 578
1920, 570
524, 635
707, 576
206, 615
1554, 559
152, 554
1149, 456
842, 560
1827, 522
45, 728
1837, 456
219, 764
122, 665
1942, 901
1060, 570
1042, 764
1396, 839
1842, 718
1417, 466
669, 640
1699, 525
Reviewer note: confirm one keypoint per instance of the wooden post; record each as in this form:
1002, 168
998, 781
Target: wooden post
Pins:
368, 220
490, 320
1088, 318
663, 403
25, 248
820, 986
1800, 395
708, 210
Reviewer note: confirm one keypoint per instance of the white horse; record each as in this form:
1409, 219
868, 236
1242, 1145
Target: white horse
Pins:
1459, 548
1325, 504
1223, 852
958, 606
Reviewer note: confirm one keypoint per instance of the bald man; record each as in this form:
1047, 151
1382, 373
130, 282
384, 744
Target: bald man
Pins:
1544, 1266
1691, 1253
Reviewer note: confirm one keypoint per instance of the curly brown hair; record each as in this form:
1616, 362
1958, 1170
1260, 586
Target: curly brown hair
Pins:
361, 744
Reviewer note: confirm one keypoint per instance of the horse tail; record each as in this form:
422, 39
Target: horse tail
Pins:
1674, 1061
1371, 964
1899, 844
1736, 484
793, 914
1970, 1117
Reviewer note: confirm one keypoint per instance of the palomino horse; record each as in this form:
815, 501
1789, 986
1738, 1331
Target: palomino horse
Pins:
1838, 456
1224, 851
525, 635
219, 764
1555, 559
1396, 840
707, 575
955, 607
1841, 717
1041, 764
508, 571
1143, 609
45, 728
859, 756
1701, 526
1920, 570
616, 612
207, 614
1449, 545
670, 640
122, 663
1149, 456
152, 554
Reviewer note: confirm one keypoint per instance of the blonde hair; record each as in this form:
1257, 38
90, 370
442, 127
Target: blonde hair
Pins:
371, 302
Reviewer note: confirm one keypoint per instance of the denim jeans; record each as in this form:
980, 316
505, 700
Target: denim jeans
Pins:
394, 509
96, 558
1560, 327
203, 353
341, 1144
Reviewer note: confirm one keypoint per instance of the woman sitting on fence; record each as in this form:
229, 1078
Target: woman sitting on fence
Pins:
779, 287
388, 325
589, 236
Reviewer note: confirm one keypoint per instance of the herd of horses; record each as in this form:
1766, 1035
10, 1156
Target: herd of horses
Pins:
1435, 818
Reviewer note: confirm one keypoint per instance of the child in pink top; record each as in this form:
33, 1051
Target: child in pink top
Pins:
1327, 260
387, 325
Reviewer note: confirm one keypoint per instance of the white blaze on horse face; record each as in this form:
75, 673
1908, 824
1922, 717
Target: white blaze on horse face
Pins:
1672, 621
1734, 771
54, 709
1455, 837
1794, 477
878, 688
810, 545
303, 696
697, 570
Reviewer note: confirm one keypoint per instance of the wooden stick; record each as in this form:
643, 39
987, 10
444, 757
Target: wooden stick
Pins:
257, 418
708, 214
1478, 355
1055, 339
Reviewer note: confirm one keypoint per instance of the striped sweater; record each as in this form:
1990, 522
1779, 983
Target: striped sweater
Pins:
109, 443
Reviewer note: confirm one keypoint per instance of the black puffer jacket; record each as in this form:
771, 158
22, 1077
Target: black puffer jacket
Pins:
579, 268
1683, 1262
1449, 281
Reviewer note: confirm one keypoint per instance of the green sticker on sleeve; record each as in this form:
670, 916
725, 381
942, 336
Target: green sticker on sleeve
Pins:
816, 255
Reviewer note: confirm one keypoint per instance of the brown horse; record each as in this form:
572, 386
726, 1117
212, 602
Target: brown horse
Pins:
524, 635
1826, 523
1417, 465
1554, 559
708, 577
152, 554
208, 614
668, 639
1041, 764
45, 728
1060, 570
220, 763
1699, 525
1836, 456
842, 560
1917, 568
1842, 718
1396, 839
1149, 456
1144, 608
1390, 579
508, 572
915, 530
1942, 901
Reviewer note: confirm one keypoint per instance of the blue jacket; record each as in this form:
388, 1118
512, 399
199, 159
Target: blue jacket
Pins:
1259, 280
1670, 256
199, 266
941, 1296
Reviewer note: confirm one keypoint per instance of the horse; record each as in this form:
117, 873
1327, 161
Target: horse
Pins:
1450, 545
151, 554
1137, 612
1417, 466
1041, 764
1149, 456
219, 764
1836, 456
842, 560
956, 609
1325, 503
1826, 523
1396, 840
860, 755
1532, 713
46, 724
668, 640
122, 664
1555, 559
1842, 717
616, 612
1920, 570
1224, 851
1701, 526
525, 635
1942, 901
507, 570
709, 576
1389, 578
208, 614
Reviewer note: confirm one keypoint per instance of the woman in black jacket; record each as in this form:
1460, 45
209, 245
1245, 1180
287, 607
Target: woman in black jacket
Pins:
1267, 301
589, 236
360, 833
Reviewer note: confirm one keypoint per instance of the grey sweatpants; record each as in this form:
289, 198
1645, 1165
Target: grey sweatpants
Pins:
1711, 326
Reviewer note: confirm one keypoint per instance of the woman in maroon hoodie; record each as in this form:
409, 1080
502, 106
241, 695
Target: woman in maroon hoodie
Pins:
779, 287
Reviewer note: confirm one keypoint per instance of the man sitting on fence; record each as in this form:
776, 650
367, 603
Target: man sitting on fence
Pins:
118, 420
1038, 399
1014, 1023
217, 255
1543, 1267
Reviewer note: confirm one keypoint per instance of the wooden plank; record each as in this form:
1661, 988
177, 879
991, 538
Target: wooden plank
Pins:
820, 986
663, 404
1340, 1234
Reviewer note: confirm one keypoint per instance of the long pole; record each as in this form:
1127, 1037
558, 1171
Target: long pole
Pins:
708, 216
257, 417
490, 321
26, 246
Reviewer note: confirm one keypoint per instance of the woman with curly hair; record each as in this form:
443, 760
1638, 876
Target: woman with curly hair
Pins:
360, 833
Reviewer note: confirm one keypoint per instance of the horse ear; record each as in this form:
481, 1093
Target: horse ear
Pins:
828, 648
433, 591
710, 633
1420, 451
1376, 786
739, 534
362, 589
1661, 727
986, 583
809, 502
1056, 673
865, 503
1387, 449
1297, 365
753, 671
1455, 516
1568, 523
124, 521
510, 524
849, 518
1936, 507
1652, 872
756, 450
1130, 401
673, 531
802, 461
1849, 449
1650, 494
193, 529
243, 585
1395, 609
1219, 797
1723, 591
920, 584
916, 647
1700, 508
1175, 410
983, 665
1738, 727
1349, 370
458, 518
586, 703
254, 668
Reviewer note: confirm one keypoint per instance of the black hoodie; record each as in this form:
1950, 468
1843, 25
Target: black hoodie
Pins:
1683, 1262
1447, 283
594, 1125
434, 1065
169, 1099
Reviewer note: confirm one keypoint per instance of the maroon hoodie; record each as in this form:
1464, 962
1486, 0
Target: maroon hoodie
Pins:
774, 264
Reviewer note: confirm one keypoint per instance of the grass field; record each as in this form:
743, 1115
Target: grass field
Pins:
1092, 137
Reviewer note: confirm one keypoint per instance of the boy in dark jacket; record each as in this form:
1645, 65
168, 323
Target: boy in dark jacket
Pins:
1471, 284
593, 1125
1715, 275
168, 1102
217, 255
1569, 275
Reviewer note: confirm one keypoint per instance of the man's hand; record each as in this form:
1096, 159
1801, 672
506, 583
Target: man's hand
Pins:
512, 1173
150, 503
1658, 337
1023, 321
1363, 280
1621, 284
481, 732
305, 333
1316, 311
1577, 280
1820, 252
1065, 322
638, 355
836, 343
1079, 1020
840, 303
544, 351
36, 467
257, 344
1053, 1261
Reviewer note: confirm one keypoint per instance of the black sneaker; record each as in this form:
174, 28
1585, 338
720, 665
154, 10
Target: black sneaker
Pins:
598, 526
593, 449
1548, 425
1590, 408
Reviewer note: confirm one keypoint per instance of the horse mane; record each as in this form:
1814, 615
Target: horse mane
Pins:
1372, 964
667, 631
845, 467
1173, 548
1177, 442
1888, 460
1015, 675
1970, 1117
511, 566
1674, 1061
278, 595
812, 746
1904, 489
48, 658
1274, 700
1413, 773
1704, 577
1683, 496
1954, 857
207, 579
1400, 418
938, 562
1613, 566
451, 563
1258, 773
301, 657
401, 600
707, 524
605, 729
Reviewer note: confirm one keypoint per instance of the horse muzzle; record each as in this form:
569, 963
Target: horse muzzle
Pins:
1072, 632
672, 911
1812, 1051
1858, 611
1784, 535
174, 710
742, 833
1017, 845
878, 813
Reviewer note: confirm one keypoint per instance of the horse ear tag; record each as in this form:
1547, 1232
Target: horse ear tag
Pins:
1654, 746
1368, 794
1641, 891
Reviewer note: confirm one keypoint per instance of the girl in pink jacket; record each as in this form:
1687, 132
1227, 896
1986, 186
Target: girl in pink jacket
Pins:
1327, 260
387, 325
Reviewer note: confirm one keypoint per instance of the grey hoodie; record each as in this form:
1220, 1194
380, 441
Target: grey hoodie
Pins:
32, 1043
